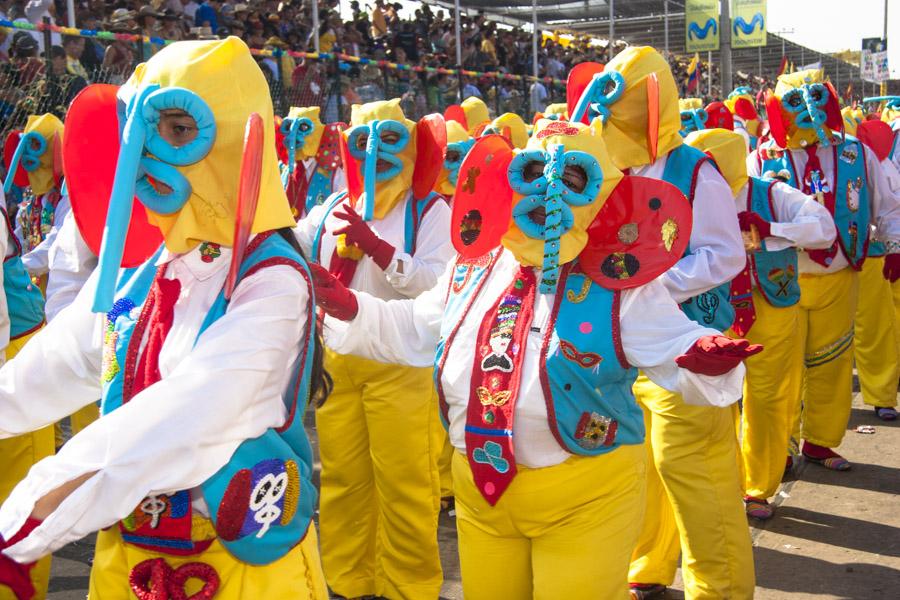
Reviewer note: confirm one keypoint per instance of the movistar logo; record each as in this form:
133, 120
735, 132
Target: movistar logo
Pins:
695, 31
748, 28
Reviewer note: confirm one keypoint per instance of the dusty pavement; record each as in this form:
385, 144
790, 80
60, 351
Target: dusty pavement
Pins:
835, 535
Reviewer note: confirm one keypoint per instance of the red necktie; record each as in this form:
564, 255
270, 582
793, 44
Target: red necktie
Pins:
496, 375
812, 171
163, 296
742, 301
298, 186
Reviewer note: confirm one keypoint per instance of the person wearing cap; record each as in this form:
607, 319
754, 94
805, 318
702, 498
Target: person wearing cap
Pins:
120, 56
197, 477
776, 219
172, 28
845, 176
693, 502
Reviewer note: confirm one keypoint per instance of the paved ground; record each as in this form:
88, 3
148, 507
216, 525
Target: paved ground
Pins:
835, 535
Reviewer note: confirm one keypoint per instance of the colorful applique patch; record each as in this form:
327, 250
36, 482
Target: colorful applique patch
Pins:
257, 498
669, 232
583, 359
154, 510
557, 128
782, 278
620, 265
595, 430
491, 454
110, 364
210, 251
574, 298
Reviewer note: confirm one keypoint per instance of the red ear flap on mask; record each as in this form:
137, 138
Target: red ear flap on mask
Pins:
745, 109
280, 150
652, 115
455, 112
577, 82
777, 124
719, 117
642, 230
833, 118
482, 203
431, 145
878, 136
352, 170
90, 155
20, 178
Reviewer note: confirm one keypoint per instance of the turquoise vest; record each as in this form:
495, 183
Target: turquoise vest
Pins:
851, 198
415, 212
711, 308
262, 501
775, 272
24, 300
584, 376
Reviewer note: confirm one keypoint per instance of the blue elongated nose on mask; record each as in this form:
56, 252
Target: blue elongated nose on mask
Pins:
295, 132
28, 153
143, 153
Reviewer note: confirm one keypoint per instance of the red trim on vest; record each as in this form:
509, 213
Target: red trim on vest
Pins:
545, 347
617, 330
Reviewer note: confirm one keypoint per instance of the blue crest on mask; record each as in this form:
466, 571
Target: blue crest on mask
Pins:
603, 91
692, 120
144, 152
370, 143
28, 153
551, 192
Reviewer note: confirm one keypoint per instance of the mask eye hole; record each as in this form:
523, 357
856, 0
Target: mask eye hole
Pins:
533, 170
361, 141
452, 156
390, 137
794, 100
609, 87
304, 126
575, 178
685, 117
177, 127
35, 144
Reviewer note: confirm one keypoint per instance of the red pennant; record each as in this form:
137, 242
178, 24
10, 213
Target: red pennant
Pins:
642, 230
90, 155
745, 109
482, 204
834, 120
248, 195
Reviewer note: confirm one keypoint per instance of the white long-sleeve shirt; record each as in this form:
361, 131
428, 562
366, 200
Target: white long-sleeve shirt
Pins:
884, 202
71, 262
800, 221
37, 261
407, 276
716, 249
654, 331
215, 392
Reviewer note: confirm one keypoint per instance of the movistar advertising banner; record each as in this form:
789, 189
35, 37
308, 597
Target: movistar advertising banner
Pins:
701, 25
748, 23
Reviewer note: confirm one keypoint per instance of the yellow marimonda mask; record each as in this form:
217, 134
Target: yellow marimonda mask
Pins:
512, 127
393, 145
728, 149
458, 144
852, 118
551, 210
557, 111
38, 153
477, 114
302, 132
627, 105
806, 111
742, 105
219, 84
693, 115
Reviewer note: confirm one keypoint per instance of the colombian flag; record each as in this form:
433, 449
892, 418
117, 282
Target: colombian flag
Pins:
782, 69
693, 73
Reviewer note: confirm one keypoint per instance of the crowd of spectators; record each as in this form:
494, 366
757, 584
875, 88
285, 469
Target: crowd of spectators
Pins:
374, 31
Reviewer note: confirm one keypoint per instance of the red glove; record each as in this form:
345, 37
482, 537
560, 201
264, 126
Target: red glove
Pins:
332, 295
361, 235
13, 575
891, 270
716, 355
748, 218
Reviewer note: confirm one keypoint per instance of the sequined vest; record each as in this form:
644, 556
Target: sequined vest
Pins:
711, 308
262, 501
585, 378
851, 196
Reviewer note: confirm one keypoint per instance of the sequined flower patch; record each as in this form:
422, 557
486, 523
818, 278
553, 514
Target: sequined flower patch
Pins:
595, 430
110, 364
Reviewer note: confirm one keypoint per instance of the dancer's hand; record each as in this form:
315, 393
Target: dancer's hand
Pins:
14, 575
716, 355
359, 234
332, 295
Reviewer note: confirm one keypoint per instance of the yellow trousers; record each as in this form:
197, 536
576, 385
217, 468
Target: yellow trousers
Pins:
564, 531
297, 575
827, 307
771, 396
17, 456
443, 454
380, 492
695, 453
874, 338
